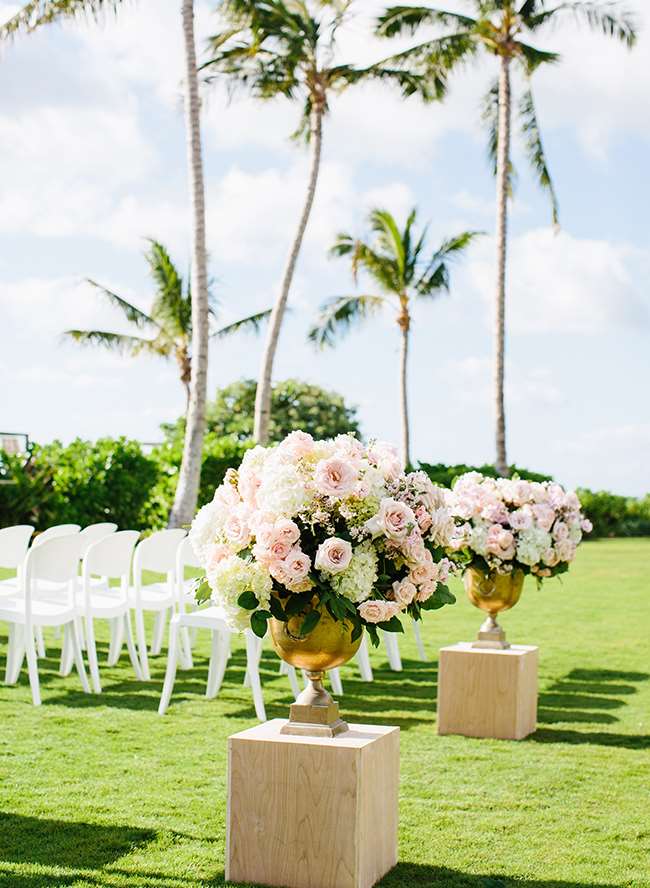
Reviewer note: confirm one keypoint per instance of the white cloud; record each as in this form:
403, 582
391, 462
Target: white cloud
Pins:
561, 283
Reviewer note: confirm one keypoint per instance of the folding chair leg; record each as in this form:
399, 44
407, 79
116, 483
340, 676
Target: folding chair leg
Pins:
290, 672
257, 647
81, 635
131, 647
253, 651
363, 660
337, 684
158, 632
32, 667
117, 640
91, 651
186, 649
170, 674
15, 653
78, 657
422, 654
392, 650
218, 661
142, 645
40, 642
67, 655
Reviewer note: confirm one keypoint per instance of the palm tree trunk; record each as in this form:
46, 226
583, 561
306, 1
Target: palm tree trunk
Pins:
503, 178
263, 393
406, 436
190, 474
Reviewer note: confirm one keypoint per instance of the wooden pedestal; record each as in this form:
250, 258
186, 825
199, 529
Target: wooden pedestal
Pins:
312, 812
487, 693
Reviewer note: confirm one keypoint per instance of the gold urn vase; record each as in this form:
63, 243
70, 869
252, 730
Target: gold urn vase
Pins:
492, 592
327, 646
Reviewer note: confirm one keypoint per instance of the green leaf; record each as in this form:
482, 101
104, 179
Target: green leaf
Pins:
295, 604
277, 610
356, 632
392, 625
310, 622
248, 600
259, 620
443, 593
373, 635
202, 591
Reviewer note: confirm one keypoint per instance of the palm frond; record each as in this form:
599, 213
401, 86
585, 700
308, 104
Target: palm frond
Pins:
114, 341
43, 12
171, 309
605, 17
535, 149
532, 57
131, 312
399, 19
251, 323
435, 277
389, 237
340, 314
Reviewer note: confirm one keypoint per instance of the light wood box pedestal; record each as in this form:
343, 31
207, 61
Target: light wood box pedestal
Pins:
312, 812
487, 693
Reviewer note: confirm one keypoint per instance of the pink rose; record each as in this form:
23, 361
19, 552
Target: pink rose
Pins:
521, 519
237, 531
248, 484
395, 519
287, 530
297, 444
386, 458
423, 518
217, 554
278, 571
586, 525
333, 555
378, 611
226, 495
349, 448
566, 550
296, 566
404, 592
560, 531
550, 557
500, 542
279, 549
425, 592
423, 572
544, 515
335, 477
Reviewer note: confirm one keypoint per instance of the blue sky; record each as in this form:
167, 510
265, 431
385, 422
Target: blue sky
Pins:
92, 152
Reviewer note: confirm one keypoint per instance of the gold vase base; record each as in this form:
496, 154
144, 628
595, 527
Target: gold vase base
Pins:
491, 636
315, 721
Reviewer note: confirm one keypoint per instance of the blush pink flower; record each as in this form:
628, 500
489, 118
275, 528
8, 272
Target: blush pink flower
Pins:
544, 515
425, 592
237, 531
520, 519
423, 572
335, 477
378, 611
404, 592
287, 530
423, 518
586, 525
500, 542
216, 554
296, 566
395, 519
333, 555
297, 444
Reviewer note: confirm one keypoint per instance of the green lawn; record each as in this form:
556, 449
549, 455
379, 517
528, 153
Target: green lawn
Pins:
100, 791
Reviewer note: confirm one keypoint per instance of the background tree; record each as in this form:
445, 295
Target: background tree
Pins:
168, 327
282, 48
500, 28
403, 272
294, 405
42, 12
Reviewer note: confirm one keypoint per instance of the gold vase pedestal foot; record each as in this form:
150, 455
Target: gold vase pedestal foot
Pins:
315, 713
492, 592
491, 636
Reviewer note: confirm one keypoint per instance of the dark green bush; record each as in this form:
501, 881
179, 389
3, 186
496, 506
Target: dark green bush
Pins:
613, 515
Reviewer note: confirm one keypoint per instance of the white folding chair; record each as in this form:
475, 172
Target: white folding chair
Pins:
108, 558
186, 557
156, 553
14, 542
56, 560
94, 532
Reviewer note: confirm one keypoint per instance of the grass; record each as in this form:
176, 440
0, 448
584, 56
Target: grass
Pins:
100, 791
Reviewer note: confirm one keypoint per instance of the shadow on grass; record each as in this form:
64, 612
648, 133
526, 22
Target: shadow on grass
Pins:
415, 874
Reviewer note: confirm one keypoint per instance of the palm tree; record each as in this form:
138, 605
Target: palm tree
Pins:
42, 12
167, 329
501, 28
287, 48
404, 273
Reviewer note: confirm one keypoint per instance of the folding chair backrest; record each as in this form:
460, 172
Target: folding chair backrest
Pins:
111, 556
157, 552
13, 544
94, 532
55, 560
57, 530
185, 557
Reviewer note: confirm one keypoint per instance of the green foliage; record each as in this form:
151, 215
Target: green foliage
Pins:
294, 405
82, 483
444, 475
613, 515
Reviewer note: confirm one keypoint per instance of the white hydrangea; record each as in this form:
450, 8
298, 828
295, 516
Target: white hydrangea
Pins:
478, 538
232, 576
531, 544
282, 491
358, 580
205, 526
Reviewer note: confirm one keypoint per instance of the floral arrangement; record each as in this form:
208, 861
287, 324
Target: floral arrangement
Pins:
508, 524
333, 523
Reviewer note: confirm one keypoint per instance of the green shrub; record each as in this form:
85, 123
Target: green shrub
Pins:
613, 515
